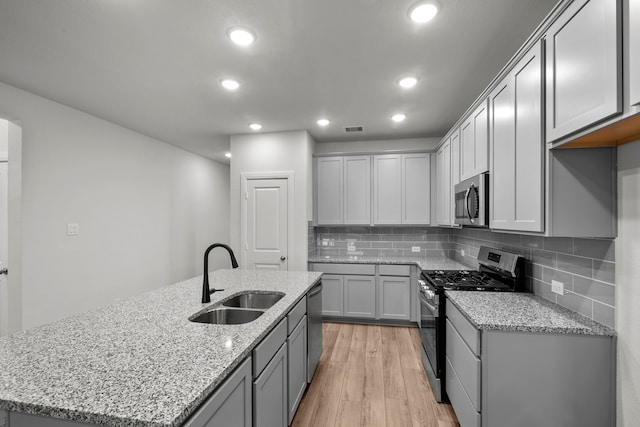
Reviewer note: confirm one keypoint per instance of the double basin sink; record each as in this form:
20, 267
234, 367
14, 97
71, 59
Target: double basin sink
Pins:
240, 308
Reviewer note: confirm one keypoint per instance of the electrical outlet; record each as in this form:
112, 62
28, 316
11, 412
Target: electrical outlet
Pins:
462, 252
415, 248
557, 287
73, 229
351, 245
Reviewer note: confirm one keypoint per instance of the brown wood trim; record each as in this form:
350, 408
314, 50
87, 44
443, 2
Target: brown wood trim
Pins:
622, 132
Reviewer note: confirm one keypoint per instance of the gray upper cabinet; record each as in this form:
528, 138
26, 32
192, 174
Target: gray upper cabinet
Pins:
444, 193
634, 52
357, 190
474, 143
387, 182
582, 67
517, 147
330, 187
455, 159
401, 189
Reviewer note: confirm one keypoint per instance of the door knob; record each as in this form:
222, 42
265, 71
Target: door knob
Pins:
4, 271
282, 258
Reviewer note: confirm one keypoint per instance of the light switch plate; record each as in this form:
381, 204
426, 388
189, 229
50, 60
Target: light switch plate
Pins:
557, 287
462, 252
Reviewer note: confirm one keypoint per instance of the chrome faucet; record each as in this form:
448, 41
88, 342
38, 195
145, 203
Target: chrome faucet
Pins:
206, 293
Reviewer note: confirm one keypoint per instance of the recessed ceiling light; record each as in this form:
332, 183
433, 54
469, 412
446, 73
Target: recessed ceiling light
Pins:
408, 82
255, 126
227, 155
241, 36
398, 117
424, 11
230, 84
323, 122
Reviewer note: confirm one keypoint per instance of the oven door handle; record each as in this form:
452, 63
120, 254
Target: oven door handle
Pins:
431, 307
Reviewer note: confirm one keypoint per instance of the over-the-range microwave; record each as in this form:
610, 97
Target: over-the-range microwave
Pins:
472, 201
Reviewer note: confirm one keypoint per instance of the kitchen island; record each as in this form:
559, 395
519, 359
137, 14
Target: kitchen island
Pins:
139, 362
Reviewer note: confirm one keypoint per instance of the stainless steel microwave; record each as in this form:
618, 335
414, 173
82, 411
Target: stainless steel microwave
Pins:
472, 201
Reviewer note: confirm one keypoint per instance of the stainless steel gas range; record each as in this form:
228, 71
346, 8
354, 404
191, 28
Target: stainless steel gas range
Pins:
499, 271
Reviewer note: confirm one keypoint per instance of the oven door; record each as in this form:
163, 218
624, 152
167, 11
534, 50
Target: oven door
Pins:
431, 335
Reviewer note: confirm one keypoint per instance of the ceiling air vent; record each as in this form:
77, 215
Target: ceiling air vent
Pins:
353, 129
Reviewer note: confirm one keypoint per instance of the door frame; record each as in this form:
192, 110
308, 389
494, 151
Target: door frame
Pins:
244, 178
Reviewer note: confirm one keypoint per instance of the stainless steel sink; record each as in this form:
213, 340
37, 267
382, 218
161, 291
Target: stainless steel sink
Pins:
227, 316
254, 300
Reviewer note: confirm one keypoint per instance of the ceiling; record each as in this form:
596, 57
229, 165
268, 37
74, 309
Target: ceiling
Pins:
154, 66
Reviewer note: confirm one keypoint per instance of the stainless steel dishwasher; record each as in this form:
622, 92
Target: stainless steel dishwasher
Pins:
314, 329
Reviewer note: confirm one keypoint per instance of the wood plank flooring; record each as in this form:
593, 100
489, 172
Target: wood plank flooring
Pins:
371, 375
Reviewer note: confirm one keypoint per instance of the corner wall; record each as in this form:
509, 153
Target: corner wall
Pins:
146, 209
628, 285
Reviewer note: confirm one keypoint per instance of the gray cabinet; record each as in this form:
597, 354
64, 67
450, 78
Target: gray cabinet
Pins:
394, 297
329, 190
332, 295
634, 52
270, 393
401, 188
444, 194
343, 190
582, 67
455, 160
512, 378
474, 143
296, 359
517, 147
359, 296
231, 403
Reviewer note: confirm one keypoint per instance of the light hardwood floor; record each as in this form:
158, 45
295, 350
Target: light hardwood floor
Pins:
371, 375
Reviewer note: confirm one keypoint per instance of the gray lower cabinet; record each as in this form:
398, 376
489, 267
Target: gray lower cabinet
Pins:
231, 403
297, 361
360, 296
394, 296
270, 393
332, 295
526, 379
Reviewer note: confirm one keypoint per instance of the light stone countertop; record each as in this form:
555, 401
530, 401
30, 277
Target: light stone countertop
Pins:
139, 362
524, 312
440, 263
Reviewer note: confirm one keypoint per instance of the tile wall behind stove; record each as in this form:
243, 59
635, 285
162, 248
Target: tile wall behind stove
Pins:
586, 267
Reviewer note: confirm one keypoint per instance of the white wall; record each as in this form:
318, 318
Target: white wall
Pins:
4, 135
428, 144
276, 152
146, 209
628, 285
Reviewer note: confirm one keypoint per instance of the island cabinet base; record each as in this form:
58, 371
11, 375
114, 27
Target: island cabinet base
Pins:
18, 419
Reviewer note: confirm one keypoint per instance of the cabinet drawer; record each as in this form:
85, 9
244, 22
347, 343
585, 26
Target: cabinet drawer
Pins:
394, 270
264, 351
346, 268
466, 413
466, 364
296, 313
467, 331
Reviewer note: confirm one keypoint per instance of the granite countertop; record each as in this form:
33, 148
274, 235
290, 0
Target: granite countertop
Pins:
440, 263
506, 311
139, 362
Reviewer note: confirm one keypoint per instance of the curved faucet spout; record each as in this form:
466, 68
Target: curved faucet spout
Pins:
206, 292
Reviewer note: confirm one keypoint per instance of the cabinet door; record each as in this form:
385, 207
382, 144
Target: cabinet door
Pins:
517, 154
455, 158
416, 183
332, 295
270, 393
357, 190
582, 67
231, 403
634, 51
330, 190
297, 360
359, 296
474, 143
394, 297
387, 182
445, 195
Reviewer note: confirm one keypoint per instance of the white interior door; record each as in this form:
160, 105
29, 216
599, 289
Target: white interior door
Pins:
4, 297
267, 220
